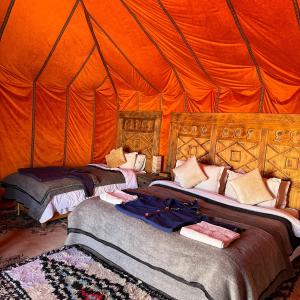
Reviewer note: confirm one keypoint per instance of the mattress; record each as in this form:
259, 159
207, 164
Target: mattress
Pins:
45, 199
250, 268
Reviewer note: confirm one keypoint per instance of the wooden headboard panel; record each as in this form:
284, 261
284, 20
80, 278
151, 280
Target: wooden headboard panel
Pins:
270, 142
140, 131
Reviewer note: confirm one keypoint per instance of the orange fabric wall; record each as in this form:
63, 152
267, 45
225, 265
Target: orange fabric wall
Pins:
68, 67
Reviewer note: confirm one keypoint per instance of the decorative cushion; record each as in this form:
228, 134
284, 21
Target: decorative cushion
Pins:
189, 173
140, 162
115, 158
216, 177
278, 189
130, 160
250, 188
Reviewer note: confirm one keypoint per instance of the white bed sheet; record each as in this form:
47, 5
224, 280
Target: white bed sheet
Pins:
222, 199
66, 202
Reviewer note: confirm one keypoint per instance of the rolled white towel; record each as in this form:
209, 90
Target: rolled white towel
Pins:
210, 234
117, 197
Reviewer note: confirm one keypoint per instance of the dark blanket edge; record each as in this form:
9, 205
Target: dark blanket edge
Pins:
295, 241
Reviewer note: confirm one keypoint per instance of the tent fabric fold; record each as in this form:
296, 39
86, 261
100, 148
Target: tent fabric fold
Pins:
68, 67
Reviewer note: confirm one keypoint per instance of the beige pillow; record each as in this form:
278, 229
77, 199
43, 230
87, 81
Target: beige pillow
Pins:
250, 188
189, 173
130, 160
278, 189
214, 175
115, 158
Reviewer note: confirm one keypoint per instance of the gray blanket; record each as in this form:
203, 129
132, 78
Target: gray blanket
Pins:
36, 195
250, 268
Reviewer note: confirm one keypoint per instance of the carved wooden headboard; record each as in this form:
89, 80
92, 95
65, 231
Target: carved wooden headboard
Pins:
270, 142
140, 131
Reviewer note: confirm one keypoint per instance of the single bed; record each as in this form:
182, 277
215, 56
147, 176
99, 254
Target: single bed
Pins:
45, 199
252, 266
137, 132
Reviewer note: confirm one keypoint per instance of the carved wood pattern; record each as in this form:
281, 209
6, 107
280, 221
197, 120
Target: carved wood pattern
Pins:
241, 141
140, 132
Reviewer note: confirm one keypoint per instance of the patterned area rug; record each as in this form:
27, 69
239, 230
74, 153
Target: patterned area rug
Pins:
71, 273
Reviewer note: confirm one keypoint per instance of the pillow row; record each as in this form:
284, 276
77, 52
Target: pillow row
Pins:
214, 176
117, 158
134, 161
248, 188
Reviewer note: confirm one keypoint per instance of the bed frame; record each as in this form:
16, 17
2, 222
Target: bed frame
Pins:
269, 142
140, 131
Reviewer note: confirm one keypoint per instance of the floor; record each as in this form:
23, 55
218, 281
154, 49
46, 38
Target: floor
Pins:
21, 237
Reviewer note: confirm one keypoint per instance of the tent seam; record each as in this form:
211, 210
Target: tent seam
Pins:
57, 40
6, 18
250, 52
67, 103
87, 16
155, 45
197, 60
101, 82
114, 70
39, 74
297, 11
94, 118
82, 66
124, 55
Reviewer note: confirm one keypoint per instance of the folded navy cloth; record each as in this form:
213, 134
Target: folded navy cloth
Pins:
52, 173
167, 215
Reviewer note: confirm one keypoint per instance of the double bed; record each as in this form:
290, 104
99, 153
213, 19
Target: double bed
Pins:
253, 266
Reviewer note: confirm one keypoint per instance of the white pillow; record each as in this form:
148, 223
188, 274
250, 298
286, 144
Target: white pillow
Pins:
250, 188
214, 174
283, 194
189, 173
130, 160
216, 177
140, 162
278, 189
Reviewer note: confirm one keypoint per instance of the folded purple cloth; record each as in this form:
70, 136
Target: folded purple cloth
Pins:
53, 173
45, 173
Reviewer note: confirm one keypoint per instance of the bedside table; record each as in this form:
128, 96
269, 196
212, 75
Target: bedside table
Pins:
144, 179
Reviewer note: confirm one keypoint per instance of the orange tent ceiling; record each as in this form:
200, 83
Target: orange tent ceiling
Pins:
67, 67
